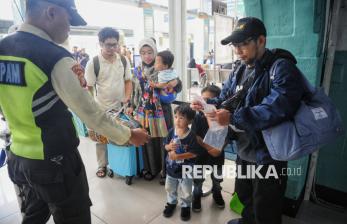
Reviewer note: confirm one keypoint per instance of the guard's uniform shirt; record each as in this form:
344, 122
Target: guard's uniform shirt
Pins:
37, 85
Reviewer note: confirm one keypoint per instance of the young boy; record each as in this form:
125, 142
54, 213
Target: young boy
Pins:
163, 64
182, 148
214, 157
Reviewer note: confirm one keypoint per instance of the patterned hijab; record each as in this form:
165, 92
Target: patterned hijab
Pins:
148, 69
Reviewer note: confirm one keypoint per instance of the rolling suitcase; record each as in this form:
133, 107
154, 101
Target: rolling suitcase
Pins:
126, 161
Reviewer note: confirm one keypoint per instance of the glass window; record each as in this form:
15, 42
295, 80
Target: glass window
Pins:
6, 12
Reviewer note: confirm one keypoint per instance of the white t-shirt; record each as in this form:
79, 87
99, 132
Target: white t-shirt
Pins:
109, 83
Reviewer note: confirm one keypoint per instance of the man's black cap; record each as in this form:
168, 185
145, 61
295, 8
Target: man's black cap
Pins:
75, 18
245, 28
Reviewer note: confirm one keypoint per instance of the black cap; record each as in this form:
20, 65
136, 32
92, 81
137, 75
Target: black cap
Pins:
69, 5
245, 28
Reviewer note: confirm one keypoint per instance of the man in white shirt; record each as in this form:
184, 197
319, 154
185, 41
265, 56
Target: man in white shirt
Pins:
109, 81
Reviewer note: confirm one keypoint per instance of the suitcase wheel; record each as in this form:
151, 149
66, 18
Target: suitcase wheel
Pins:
110, 173
128, 180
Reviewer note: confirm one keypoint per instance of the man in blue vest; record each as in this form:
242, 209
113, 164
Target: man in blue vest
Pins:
39, 81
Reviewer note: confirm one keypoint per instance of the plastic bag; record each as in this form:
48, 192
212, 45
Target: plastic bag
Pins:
216, 137
236, 205
216, 134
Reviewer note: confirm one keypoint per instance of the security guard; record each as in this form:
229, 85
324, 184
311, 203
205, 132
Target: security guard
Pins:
39, 81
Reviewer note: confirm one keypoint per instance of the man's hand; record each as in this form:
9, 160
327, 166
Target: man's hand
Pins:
196, 105
139, 136
126, 99
173, 155
200, 140
152, 84
129, 111
223, 117
171, 146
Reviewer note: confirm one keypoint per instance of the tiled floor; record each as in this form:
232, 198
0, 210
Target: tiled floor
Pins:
143, 202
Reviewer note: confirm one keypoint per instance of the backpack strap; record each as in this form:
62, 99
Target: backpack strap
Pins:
271, 72
96, 63
124, 62
273, 68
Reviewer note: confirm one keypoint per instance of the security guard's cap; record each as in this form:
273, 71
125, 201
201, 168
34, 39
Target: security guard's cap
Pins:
248, 27
75, 18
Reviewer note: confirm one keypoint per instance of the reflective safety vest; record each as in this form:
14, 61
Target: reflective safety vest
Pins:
40, 123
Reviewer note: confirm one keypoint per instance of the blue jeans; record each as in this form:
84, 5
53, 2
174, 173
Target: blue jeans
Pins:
171, 187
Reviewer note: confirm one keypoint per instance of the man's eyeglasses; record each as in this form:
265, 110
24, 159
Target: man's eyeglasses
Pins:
243, 44
109, 46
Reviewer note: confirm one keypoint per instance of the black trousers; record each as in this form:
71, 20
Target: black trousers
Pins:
57, 188
152, 156
262, 198
216, 182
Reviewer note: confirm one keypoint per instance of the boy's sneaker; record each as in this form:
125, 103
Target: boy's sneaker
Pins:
218, 199
185, 213
169, 210
196, 203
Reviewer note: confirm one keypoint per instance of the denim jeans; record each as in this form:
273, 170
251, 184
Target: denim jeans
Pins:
171, 187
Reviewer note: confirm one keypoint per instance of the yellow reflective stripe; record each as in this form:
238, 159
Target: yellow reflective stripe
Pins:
16, 103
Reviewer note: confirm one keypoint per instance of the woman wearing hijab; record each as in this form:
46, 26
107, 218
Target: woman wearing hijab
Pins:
154, 115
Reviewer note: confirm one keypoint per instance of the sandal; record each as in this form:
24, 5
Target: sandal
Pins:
101, 172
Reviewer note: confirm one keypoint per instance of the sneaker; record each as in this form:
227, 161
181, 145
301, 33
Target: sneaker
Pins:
235, 221
185, 214
218, 199
196, 203
169, 210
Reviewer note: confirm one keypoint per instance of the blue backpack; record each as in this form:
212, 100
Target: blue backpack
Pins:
316, 123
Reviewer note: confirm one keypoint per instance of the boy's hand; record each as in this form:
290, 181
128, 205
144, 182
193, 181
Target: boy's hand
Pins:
172, 83
173, 155
171, 147
200, 140
196, 105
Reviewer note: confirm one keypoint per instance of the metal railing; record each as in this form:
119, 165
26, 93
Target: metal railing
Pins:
213, 76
